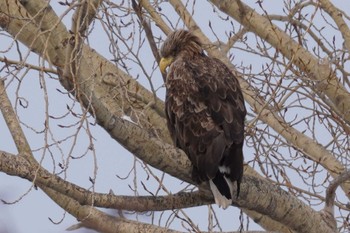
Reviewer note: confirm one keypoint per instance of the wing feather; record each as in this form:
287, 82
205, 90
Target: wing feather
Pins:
205, 111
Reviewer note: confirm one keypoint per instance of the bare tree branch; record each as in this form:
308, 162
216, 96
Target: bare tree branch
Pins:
13, 124
328, 210
30, 66
260, 196
338, 19
155, 16
330, 194
324, 76
147, 28
97, 220
17, 166
91, 65
305, 144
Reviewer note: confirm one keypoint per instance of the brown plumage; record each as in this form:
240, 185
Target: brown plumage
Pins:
205, 112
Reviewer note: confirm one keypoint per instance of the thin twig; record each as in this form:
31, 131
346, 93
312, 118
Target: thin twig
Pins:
30, 66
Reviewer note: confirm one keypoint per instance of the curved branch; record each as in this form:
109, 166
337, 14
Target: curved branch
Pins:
330, 193
328, 210
318, 71
266, 30
338, 19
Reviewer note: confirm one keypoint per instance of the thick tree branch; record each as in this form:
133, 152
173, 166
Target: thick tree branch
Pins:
266, 222
95, 69
50, 25
259, 196
14, 126
18, 166
95, 219
318, 71
155, 16
18, 22
100, 221
338, 19
305, 144
299, 140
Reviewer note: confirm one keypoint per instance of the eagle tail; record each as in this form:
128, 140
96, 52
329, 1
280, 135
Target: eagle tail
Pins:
222, 190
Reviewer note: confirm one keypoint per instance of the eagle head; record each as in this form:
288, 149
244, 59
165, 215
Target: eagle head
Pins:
178, 43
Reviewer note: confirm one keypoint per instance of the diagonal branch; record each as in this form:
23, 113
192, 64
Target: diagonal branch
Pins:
94, 68
155, 16
148, 31
147, 28
296, 138
84, 16
318, 71
14, 126
338, 19
305, 144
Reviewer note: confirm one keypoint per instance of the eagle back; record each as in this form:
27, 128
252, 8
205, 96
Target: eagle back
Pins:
205, 110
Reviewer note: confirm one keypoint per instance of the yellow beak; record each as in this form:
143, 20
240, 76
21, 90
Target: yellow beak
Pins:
164, 63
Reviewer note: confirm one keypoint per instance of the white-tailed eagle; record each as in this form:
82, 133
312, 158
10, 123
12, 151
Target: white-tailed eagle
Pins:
205, 113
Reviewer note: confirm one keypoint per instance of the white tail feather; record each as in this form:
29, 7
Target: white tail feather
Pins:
220, 200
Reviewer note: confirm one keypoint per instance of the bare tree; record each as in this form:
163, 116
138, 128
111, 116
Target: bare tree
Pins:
293, 67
